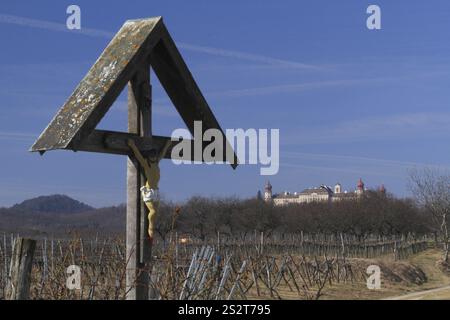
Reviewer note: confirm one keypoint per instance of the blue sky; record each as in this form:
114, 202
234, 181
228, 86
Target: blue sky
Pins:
349, 102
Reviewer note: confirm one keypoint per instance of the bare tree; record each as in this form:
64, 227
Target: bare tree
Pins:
431, 189
165, 219
373, 214
195, 217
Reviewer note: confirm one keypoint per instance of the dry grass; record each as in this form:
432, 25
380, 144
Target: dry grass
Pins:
426, 261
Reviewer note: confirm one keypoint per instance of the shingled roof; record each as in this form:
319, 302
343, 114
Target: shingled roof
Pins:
136, 42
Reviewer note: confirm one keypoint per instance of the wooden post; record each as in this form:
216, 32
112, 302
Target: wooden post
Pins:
145, 131
5, 260
218, 241
137, 248
176, 251
342, 245
20, 271
262, 243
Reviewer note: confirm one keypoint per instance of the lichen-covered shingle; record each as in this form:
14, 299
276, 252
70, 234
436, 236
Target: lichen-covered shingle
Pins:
95, 85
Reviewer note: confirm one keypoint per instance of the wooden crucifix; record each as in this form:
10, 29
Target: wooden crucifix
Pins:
138, 46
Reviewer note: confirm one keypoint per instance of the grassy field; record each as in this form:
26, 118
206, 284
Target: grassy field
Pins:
426, 261
418, 277
399, 281
437, 278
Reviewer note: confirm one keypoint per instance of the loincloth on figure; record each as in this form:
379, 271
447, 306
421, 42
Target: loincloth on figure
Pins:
149, 194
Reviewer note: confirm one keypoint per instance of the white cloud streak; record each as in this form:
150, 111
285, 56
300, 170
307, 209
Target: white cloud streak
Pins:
393, 127
17, 136
361, 171
245, 56
359, 160
58, 27
292, 88
300, 87
52, 26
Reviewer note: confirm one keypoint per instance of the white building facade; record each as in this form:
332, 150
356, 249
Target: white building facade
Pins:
320, 194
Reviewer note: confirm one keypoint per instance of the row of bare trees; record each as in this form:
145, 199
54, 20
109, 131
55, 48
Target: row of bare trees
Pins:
375, 213
431, 188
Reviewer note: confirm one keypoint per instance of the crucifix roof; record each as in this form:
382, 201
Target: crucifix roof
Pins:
137, 42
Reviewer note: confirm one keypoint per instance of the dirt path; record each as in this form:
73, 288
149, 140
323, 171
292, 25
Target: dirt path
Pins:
442, 293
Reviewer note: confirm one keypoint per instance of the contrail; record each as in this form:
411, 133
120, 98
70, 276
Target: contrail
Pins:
378, 161
339, 169
53, 26
21, 136
298, 87
289, 88
245, 56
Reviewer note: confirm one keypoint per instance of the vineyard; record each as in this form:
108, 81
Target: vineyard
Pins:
247, 267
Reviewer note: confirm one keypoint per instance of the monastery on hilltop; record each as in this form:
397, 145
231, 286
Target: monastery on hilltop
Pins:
322, 193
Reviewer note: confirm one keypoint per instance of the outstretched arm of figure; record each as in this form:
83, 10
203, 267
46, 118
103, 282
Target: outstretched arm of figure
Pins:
164, 150
140, 158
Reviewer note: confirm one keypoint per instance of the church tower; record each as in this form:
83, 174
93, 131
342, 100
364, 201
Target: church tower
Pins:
360, 187
268, 192
337, 188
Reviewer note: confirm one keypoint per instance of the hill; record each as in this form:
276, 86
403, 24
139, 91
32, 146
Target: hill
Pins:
62, 216
51, 204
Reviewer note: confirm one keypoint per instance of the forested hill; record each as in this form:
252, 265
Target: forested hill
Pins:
61, 215
51, 204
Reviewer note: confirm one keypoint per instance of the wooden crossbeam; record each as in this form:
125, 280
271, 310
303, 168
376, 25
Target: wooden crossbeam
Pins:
114, 142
